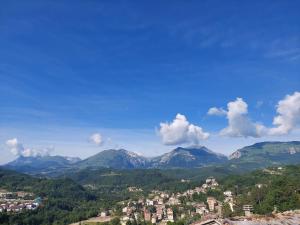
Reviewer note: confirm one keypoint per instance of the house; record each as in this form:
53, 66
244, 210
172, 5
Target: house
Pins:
227, 193
211, 182
160, 201
149, 202
22, 194
134, 189
30, 206
201, 208
104, 213
160, 211
154, 218
248, 210
259, 185
211, 201
124, 220
4, 206
124, 210
173, 201
147, 215
136, 215
170, 215
219, 209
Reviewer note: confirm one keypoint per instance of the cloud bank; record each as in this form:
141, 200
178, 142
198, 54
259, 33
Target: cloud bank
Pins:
18, 149
181, 131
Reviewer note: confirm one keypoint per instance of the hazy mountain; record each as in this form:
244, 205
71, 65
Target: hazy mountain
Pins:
41, 164
268, 153
251, 157
118, 159
187, 158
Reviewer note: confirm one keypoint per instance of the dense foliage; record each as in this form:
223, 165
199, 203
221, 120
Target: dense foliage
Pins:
267, 190
64, 200
147, 179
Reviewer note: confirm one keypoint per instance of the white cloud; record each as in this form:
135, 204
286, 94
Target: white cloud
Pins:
18, 149
96, 139
180, 131
214, 111
288, 117
15, 147
33, 152
239, 125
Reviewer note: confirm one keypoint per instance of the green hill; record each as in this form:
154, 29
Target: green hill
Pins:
266, 154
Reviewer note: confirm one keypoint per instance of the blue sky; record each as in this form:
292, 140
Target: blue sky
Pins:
69, 69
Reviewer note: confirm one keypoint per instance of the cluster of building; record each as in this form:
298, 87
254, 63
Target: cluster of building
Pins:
15, 202
134, 189
158, 207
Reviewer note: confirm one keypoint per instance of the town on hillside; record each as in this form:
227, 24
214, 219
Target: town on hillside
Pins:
164, 208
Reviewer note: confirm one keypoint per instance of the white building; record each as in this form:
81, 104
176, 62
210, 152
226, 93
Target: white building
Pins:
227, 193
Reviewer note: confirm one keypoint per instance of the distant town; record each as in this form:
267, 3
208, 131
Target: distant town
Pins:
16, 202
157, 208
162, 208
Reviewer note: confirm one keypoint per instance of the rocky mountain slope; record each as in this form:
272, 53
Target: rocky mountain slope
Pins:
188, 158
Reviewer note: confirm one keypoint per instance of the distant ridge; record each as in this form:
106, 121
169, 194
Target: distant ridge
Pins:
268, 153
254, 156
41, 164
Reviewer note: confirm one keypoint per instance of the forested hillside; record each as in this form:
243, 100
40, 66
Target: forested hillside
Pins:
276, 188
64, 201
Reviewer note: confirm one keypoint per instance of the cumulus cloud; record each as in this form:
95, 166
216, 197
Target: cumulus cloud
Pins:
288, 117
18, 149
96, 138
214, 111
181, 131
239, 124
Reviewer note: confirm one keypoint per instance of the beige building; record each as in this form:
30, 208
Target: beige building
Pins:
211, 201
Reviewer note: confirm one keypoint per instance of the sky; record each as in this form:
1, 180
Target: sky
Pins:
78, 77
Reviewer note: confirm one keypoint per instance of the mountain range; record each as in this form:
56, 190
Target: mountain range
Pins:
254, 156
41, 164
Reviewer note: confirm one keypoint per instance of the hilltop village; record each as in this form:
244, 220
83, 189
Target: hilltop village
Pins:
161, 207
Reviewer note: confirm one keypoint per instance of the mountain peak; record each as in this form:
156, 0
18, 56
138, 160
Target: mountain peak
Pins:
195, 156
115, 158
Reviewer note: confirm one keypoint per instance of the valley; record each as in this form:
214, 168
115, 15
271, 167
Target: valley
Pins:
176, 195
